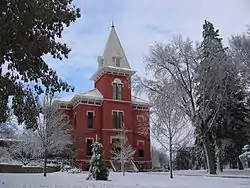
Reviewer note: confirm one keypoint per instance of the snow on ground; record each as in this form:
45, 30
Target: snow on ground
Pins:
131, 180
230, 173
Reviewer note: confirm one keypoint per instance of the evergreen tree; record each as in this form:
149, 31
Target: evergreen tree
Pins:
30, 30
233, 120
211, 79
98, 169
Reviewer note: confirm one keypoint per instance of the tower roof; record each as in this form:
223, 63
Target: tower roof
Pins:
113, 49
113, 57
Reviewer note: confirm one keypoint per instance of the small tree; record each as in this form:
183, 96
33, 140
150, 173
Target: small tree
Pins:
98, 169
53, 134
170, 126
125, 152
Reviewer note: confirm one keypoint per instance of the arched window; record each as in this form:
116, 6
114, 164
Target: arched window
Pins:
117, 89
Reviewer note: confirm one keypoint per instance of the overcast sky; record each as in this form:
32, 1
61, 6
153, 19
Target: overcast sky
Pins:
139, 23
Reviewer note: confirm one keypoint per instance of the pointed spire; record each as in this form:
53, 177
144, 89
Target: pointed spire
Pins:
114, 50
112, 24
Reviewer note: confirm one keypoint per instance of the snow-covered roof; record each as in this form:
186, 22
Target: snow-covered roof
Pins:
94, 94
137, 100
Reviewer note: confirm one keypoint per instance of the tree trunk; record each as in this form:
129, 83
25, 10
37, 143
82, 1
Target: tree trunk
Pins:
122, 168
240, 165
209, 157
170, 158
45, 162
218, 161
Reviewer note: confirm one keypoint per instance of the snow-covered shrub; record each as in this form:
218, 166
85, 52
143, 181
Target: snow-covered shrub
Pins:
5, 156
98, 169
24, 150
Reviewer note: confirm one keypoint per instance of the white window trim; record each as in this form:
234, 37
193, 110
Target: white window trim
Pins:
117, 83
88, 138
140, 141
114, 137
114, 58
118, 111
140, 116
64, 115
90, 111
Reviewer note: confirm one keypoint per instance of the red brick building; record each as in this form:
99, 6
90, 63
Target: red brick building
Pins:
102, 111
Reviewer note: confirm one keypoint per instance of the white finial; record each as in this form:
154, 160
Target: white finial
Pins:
96, 138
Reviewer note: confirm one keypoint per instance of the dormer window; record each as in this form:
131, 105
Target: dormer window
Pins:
117, 61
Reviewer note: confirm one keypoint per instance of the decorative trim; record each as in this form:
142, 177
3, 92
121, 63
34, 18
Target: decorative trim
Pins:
142, 141
113, 137
139, 116
118, 111
95, 104
116, 130
116, 100
88, 138
90, 111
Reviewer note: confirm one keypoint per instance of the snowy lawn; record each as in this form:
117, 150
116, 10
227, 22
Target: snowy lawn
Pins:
131, 180
230, 173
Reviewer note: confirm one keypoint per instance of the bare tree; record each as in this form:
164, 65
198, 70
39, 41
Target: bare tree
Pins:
240, 52
177, 62
53, 134
169, 123
124, 152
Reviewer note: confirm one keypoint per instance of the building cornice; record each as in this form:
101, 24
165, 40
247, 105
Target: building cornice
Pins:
111, 70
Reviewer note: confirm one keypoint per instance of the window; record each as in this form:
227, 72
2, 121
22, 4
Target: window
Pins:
140, 153
90, 120
117, 91
74, 122
117, 61
117, 119
114, 91
89, 146
115, 140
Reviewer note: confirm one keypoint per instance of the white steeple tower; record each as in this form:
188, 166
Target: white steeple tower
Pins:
114, 52
114, 58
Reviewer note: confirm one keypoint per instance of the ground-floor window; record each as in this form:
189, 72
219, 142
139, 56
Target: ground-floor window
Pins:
140, 153
89, 146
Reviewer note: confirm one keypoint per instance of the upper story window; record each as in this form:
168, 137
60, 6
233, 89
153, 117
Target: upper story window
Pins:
74, 121
117, 119
90, 119
117, 61
117, 89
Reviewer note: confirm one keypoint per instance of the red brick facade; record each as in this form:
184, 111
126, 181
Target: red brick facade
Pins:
92, 115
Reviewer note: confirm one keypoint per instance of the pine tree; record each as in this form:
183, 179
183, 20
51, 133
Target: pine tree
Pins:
233, 120
211, 79
98, 169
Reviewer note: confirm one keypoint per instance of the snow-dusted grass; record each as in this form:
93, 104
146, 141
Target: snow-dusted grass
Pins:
131, 180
